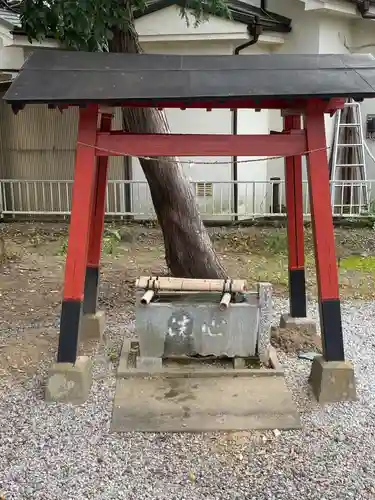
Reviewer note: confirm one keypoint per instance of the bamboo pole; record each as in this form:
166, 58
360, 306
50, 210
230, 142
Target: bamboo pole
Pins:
147, 297
190, 284
225, 301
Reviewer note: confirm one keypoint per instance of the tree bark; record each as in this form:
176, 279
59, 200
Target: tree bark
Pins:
188, 249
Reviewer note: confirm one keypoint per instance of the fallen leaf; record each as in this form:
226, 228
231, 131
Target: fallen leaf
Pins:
192, 477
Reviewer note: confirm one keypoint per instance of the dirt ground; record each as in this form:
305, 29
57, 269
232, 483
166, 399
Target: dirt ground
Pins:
32, 267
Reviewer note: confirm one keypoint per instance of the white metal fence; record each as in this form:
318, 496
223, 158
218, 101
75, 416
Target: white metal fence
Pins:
41, 198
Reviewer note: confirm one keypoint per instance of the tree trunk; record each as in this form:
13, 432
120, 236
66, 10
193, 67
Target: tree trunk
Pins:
188, 249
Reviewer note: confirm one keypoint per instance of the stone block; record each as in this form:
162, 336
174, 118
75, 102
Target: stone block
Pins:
305, 324
70, 383
186, 324
239, 363
149, 364
92, 326
332, 381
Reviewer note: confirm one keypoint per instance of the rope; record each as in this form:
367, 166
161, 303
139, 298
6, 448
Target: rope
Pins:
119, 153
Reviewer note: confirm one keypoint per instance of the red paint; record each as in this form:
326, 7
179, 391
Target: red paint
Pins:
320, 202
335, 104
98, 206
83, 189
122, 144
294, 201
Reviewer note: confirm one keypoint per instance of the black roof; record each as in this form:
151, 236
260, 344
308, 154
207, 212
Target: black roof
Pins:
66, 77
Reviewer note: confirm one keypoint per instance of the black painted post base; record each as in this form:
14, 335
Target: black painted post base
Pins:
297, 293
90, 301
331, 330
69, 331
93, 321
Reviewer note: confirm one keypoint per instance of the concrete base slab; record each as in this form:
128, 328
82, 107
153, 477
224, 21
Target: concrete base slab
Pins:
305, 324
188, 398
92, 326
68, 383
201, 404
149, 364
332, 381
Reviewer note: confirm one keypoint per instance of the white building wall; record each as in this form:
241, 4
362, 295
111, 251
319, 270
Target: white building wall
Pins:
203, 122
11, 57
303, 39
363, 40
333, 32
198, 121
252, 198
324, 32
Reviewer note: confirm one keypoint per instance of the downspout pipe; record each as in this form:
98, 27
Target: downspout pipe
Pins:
254, 31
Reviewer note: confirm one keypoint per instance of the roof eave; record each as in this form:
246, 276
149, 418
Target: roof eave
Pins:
240, 12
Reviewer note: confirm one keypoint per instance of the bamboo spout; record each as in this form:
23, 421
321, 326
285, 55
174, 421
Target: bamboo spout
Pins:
147, 297
190, 284
225, 301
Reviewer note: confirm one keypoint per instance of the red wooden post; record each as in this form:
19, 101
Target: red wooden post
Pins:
75, 270
324, 240
97, 227
294, 207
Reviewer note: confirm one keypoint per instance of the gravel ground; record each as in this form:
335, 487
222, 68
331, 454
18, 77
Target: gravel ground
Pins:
61, 452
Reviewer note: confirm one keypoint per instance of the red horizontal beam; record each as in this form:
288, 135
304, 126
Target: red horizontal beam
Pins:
124, 144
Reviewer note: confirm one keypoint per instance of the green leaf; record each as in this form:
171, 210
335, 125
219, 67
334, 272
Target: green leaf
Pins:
89, 24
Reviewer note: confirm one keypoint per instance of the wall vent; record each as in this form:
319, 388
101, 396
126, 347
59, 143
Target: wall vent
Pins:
204, 189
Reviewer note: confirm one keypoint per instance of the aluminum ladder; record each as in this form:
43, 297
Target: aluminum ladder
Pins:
349, 188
